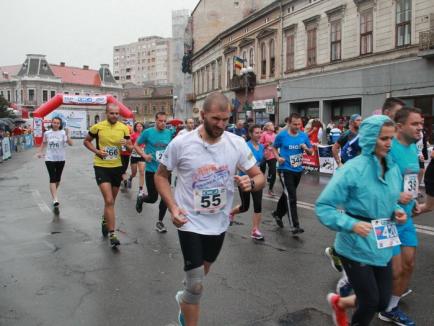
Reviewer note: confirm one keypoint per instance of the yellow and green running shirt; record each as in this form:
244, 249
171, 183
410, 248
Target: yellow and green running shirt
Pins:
108, 138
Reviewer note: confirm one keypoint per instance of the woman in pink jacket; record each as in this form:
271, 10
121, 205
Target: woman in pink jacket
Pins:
267, 139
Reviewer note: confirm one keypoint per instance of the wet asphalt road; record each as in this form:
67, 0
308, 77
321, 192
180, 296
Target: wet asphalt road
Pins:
58, 270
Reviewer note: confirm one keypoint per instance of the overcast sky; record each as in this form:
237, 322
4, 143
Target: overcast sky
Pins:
80, 32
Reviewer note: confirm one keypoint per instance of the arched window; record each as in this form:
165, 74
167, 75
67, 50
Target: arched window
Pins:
228, 72
272, 58
263, 60
251, 57
245, 64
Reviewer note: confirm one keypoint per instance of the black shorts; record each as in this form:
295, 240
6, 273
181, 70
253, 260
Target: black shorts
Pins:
421, 165
429, 179
108, 175
197, 248
125, 162
135, 160
55, 169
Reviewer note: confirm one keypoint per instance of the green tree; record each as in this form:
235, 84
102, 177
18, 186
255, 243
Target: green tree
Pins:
4, 105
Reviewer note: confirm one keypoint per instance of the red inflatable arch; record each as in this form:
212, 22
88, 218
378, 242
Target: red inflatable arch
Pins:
60, 99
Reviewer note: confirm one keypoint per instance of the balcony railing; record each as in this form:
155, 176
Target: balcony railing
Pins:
426, 40
238, 83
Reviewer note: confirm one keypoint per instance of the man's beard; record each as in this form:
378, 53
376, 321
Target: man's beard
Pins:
211, 132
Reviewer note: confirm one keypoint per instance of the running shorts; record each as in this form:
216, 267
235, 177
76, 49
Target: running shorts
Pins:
198, 248
429, 179
55, 169
135, 160
407, 235
108, 175
125, 161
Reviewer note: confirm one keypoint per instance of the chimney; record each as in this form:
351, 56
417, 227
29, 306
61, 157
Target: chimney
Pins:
62, 64
85, 67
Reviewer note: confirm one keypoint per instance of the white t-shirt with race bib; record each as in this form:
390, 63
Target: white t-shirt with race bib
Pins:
205, 186
56, 143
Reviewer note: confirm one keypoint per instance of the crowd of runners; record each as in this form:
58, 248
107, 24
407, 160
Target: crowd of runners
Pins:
370, 200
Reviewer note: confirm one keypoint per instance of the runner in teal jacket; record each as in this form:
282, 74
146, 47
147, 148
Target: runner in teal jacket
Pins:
366, 188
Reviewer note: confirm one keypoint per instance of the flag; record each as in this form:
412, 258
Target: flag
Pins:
238, 62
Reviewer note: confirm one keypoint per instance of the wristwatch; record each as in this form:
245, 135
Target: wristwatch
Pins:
252, 184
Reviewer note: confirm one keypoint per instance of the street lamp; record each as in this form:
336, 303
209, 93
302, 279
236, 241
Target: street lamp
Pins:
245, 72
279, 96
175, 98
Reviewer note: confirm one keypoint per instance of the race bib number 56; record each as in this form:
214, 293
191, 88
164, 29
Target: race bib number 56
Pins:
210, 201
112, 153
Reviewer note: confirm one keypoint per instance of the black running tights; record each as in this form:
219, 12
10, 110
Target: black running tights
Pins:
372, 286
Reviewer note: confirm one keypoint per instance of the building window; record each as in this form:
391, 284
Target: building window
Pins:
219, 73
251, 57
44, 95
335, 38
8, 96
228, 73
245, 58
52, 94
311, 47
403, 22
31, 93
263, 60
207, 79
272, 58
366, 28
213, 67
290, 52
202, 89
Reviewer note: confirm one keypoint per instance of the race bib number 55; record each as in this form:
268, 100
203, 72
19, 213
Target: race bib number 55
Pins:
210, 201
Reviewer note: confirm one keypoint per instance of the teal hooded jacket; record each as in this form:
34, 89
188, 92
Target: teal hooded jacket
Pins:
359, 189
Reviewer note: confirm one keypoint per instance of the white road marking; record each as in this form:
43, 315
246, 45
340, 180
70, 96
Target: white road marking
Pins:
419, 228
40, 202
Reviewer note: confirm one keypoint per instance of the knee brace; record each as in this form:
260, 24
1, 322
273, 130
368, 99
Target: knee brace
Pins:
193, 285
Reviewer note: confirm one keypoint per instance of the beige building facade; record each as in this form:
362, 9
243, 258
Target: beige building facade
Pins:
146, 100
324, 58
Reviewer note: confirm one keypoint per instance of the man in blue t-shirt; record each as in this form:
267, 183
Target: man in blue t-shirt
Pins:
239, 129
155, 140
288, 147
348, 143
409, 124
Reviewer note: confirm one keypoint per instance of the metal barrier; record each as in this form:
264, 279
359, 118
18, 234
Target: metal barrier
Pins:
9, 145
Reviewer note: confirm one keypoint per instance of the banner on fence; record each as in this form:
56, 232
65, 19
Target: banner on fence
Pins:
327, 163
311, 162
6, 148
28, 141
